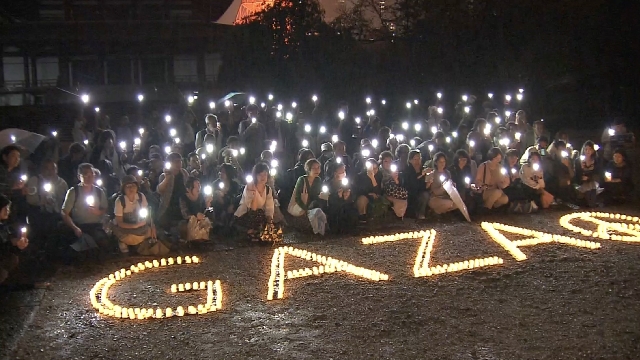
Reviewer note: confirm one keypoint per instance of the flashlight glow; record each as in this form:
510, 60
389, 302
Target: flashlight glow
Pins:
405, 125
84, 98
408, 105
141, 131
96, 109
167, 118
23, 177
607, 175
274, 163
137, 141
167, 165
273, 172
307, 128
341, 115
221, 185
448, 139
430, 147
503, 171
417, 127
596, 147
207, 190
442, 178
366, 153
140, 97
564, 154
465, 98
400, 137
305, 143
249, 179
190, 99
90, 200
323, 129
167, 149
263, 105
467, 180
294, 104
368, 165
209, 148
345, 182
440, 110
47, 187
472, 143
227, 103
454, 134
172, 132
212, 105
507, 97
54, 133
334, 138
270, 97
289, 116
393, 168
536, 167
611, 132
314, 98
490, 95
242, 151
252, 100
383, 102
368, 100
140, 172
507, 113
467, 109
143, 213
439, 95
123, 145
519, 97
339, 160
325, 189
279, 107
374, 143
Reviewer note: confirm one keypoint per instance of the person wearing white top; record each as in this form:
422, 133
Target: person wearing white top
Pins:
132, 223
533, 179
256, 205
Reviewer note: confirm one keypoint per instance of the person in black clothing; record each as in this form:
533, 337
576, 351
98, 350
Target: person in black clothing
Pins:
10, 243
341, 211
68, 165
414, 182
226, 194
462, 174
369, 190
558, 172
618, 177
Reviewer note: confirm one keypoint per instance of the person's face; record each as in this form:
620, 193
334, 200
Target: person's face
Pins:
212, 124
512, 160
543, 145
315, 170
266, 156
156, 164
130, 189
339, 149
263, 177
497, 159
108, 145
87, 177
252, 114
49, 170
340, 173
176, 165
588, 150
77, 156
535, 160
194, 163
462, 162
618, 159
12, 159
416, 160
234, 145
4, 213
374, 168
441, 163
196, 188
539, 128
386, 163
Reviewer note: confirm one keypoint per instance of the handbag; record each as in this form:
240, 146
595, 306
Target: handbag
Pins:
394, 190
198, 229
293, 208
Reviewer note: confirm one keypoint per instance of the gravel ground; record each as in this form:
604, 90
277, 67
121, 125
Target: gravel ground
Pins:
561, 303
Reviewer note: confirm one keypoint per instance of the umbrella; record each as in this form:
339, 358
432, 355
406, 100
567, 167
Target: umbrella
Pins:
450, 188
25, 139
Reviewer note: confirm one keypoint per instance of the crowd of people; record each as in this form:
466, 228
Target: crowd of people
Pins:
259, 171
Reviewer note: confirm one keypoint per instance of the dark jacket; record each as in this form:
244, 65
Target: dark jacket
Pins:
364, 185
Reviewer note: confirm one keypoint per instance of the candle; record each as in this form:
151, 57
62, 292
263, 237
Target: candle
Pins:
168, 312
179, 260
180, 311
158, 313
170, 261
187, 259
180, 287
174, 288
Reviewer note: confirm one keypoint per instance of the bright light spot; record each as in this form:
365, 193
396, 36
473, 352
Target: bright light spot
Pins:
417, 127
323, 129
167, 118
212, 105
374, 143
208, 190
307, 128
252, 100
341, 115
305, 143
439, 95
405, 125
84, 98
440, 110
490, 95
465, 98
140, 97
190, 99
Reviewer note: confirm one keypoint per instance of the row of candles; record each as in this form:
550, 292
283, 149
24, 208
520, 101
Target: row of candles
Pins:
602, 232
106, 307
328, 265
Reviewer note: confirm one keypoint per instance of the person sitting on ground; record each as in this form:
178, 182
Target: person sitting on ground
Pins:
439, 200
45, 195
402, 155
532, 177
306, 196
616, 136
542, 143
341, 211
391, 185
559, 172
490, 180
587, 170
132, 216
10, 243
414, 182
618, 178
369, 191
513, 184
339, 157
84, 208
193, 167
193, 206
463, 172
226, 194
256, 205
171, 189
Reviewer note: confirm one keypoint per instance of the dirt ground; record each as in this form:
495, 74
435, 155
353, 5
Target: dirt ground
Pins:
561, 303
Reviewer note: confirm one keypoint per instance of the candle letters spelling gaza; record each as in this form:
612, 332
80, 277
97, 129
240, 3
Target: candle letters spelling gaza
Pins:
615, 227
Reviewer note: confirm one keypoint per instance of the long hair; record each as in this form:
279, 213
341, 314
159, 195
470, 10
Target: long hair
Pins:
590, 144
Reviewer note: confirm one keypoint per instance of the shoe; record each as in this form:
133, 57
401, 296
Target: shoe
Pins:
124, 248
421, 217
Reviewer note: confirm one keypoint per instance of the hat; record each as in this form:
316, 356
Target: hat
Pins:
129, 179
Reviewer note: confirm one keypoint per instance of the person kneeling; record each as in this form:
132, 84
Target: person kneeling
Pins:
440, 201
132, 225
256, 209
305, 202
533, 178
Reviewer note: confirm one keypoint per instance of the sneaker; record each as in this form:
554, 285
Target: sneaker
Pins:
124, 248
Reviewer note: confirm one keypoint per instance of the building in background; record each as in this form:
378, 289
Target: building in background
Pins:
54, 50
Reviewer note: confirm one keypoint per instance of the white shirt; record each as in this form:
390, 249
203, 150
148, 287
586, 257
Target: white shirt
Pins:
263, 201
